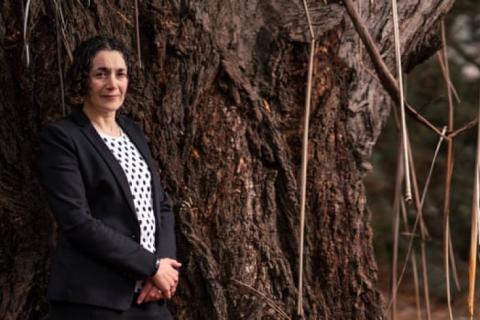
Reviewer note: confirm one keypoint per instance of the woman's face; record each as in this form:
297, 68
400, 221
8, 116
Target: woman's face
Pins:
107, 81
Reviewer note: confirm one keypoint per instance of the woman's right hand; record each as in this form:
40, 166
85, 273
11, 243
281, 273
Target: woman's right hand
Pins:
149, 293
166, 277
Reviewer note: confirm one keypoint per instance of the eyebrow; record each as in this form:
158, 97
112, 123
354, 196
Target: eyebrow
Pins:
109, 69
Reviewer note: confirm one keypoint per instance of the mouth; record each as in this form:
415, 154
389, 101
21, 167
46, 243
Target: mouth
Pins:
110, 97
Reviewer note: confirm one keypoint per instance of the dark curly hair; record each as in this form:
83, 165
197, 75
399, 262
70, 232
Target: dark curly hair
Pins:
77, 74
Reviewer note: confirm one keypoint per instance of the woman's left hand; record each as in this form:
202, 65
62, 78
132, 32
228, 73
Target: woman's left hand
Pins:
149, 293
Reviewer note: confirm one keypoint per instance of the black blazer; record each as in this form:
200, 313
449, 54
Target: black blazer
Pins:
98, 256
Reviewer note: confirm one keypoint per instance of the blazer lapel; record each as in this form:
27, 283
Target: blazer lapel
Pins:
142, 147
89, 131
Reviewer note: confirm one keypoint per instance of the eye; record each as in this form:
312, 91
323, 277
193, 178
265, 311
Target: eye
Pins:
122, 74
100, 74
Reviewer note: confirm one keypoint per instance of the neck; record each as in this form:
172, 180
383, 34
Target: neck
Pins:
102, 121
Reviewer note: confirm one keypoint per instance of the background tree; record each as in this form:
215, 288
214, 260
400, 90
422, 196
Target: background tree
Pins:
427, 92
220, 94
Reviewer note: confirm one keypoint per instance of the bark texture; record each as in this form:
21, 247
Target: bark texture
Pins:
221, 97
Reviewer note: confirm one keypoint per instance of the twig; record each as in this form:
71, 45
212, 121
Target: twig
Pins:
448, 177
309, 21
386, 78
396, 229
469, 125
59, 57
398, 58
445, 76
416, 282
303, 191
425, 280
396, 226
412, 112
423, 230
67, 46
63, 30
262, 295
454, 265
413, 260
137, 32
474, 240
360, 54
25, 24
419, 217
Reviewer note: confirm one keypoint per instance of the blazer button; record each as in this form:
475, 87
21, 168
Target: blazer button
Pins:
133, 236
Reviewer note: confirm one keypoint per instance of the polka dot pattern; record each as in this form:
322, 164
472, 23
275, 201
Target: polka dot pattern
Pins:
139, 180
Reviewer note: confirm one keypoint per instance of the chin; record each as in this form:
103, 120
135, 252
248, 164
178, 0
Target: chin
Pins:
114, 108
111, 106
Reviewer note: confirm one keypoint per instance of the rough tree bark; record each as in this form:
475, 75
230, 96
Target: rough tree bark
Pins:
221, 97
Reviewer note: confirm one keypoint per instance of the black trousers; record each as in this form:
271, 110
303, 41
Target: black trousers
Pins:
74, 311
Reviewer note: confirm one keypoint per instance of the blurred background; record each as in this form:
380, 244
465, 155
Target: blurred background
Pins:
427, 93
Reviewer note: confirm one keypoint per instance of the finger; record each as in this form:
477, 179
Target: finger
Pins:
157, 293
161, 281
172, 276
143, 294
167, 294
174, 263
172, 273
153, 295
169, 280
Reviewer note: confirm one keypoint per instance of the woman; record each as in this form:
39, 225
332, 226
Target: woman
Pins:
115, 254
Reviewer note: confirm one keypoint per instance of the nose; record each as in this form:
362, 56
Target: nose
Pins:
112, 81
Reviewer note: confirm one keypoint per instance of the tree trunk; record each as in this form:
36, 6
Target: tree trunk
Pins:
221, 97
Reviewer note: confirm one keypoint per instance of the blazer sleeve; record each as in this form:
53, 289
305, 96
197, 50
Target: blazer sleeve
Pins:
167, 244
60, 175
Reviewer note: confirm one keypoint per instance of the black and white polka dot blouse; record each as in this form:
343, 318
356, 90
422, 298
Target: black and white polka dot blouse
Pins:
139, 179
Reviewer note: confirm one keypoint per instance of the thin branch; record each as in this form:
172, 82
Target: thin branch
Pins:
59, 56
396, 229
398, 58
448, 176
25, 24
454, 265
397, 205
137, 32
469, 125
423, 120
419, 218
303, 183
474, 240
423, 229
413, 260
416, 282
412, 112
309, 21
386, 79
446, 77
425, 280
58, 6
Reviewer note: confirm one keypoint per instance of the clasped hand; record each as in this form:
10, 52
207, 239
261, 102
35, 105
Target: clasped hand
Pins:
163, 284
